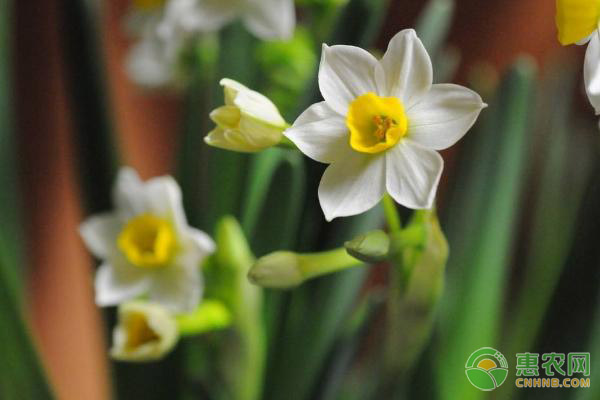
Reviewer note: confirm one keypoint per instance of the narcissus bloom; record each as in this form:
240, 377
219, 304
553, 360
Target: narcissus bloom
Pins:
248, 122
147, 246
578, 22
145, 332
153, 60
267, 19
380, 126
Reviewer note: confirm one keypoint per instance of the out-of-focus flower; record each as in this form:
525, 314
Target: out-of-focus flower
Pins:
147, 246
380, 126
145, 332
154, 62
248, 122
165, 28
153, 59
267, 19
578, 22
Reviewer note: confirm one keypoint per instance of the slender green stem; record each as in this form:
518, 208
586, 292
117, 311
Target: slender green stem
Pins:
391, 213
317, 264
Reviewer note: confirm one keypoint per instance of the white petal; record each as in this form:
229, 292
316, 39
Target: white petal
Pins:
202, 243
149, 64
405, 70
320, 133
591, 71
352, 185
192, 16
413, 174
128, 193
99, 233
271, 19
443, 116
345, 73
251, 103
163, 198
116, 284
178, 287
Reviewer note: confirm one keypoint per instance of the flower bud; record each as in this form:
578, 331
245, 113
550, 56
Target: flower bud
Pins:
285, 269
277, 270
371, 247
248, 122
145, 332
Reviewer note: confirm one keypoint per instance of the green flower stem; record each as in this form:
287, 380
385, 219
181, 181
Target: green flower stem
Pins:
391, 213
327, 262
211, 315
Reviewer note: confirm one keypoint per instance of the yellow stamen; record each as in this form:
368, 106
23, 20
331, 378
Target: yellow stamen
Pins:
148, 241
576, 19
375, 123
138, 331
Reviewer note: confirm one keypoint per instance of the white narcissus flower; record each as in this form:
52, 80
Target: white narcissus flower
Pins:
152, 61
380, 126
267, 19
248, 122
145, 332
147, 246
578, 23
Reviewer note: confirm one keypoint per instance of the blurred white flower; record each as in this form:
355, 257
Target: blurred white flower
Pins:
380, 126
145, 332
147, 246
164, 28
578, 23
267, 19
153, 62
248, 121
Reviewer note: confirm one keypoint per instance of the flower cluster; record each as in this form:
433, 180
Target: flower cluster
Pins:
148, 250
164, 29
379, 127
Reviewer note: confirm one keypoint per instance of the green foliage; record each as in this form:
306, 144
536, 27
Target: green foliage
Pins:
481, 225
289, 65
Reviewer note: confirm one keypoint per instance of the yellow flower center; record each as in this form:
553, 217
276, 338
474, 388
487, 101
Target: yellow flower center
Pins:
576, 19
148, 241
138, 331
148, 5
375, 123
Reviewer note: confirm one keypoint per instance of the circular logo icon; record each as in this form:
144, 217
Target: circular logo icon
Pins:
486, 369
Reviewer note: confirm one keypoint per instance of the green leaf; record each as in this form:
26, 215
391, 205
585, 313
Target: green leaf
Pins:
273, 199
434, 23
566, 163
481, 227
